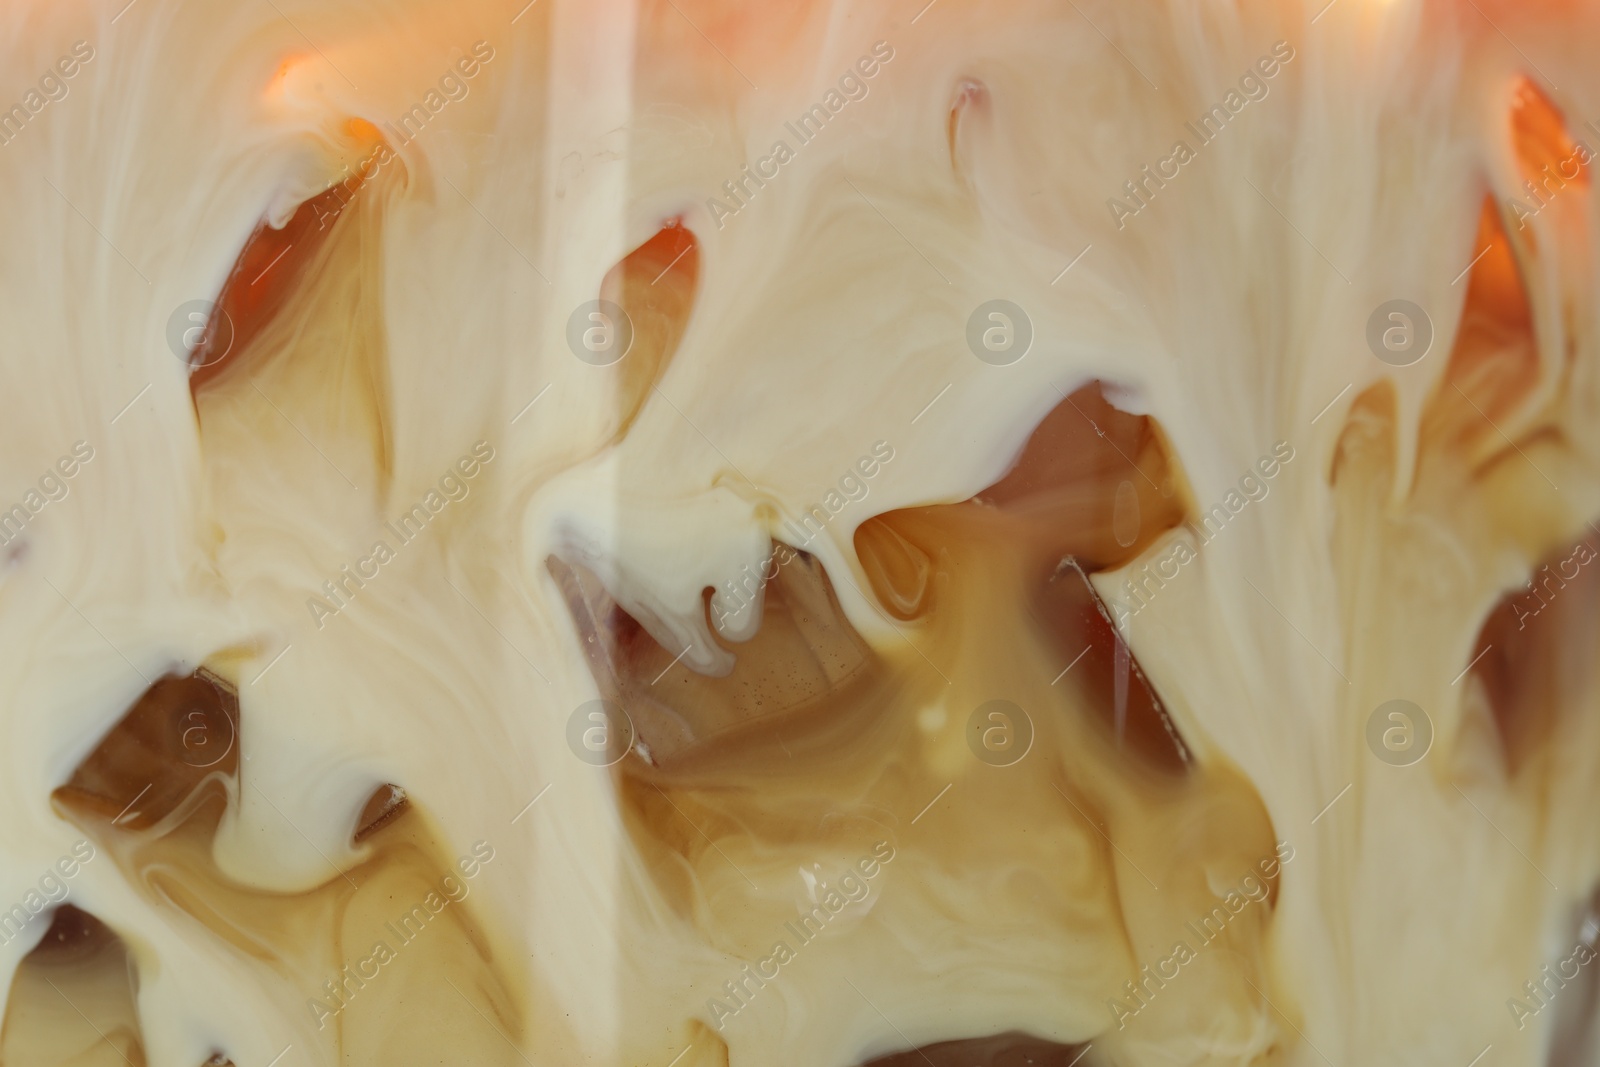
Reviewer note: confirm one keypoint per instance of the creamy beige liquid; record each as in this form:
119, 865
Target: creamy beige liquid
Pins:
394, 673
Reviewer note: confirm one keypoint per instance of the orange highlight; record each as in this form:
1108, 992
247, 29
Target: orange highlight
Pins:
1547, 156
1494, 288
1538, 132
273, 260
